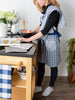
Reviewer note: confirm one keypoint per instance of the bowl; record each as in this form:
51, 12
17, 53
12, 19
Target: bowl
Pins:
22, 75
22, 72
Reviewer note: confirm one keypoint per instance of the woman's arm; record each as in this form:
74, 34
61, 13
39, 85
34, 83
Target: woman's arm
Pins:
34, 37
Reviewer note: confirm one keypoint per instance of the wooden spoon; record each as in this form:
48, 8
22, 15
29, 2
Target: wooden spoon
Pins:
23, 27
24, 24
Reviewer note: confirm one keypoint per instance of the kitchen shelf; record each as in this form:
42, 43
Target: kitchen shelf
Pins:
17, 81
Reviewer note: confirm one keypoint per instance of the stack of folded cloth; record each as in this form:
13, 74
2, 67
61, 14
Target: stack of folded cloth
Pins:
5, 81
19, 48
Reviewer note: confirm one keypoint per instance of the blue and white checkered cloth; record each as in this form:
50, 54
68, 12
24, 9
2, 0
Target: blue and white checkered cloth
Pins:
5, 81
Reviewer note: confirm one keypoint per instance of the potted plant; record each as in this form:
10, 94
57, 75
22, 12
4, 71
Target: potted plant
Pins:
5, 18
70, 58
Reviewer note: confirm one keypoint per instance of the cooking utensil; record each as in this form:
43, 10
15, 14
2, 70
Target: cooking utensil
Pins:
23, 26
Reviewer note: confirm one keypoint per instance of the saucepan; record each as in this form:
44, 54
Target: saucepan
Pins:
26, 33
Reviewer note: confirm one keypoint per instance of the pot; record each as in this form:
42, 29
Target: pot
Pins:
27, 34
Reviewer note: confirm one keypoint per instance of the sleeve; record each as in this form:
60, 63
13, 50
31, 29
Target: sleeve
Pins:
52, 20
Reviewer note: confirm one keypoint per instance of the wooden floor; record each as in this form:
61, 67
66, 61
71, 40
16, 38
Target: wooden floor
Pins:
63, 90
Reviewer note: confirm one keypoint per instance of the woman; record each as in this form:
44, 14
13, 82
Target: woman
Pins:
49, 44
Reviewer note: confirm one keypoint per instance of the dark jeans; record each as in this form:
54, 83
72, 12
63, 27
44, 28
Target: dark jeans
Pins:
41, 71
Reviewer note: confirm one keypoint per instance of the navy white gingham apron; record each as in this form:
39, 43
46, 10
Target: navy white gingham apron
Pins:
49, 51
49, 48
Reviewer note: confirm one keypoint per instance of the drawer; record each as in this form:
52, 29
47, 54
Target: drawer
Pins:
11, 60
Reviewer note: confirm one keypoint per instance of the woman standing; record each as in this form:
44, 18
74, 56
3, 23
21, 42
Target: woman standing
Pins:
49, 44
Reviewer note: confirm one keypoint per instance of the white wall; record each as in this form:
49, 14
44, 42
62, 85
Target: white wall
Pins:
28, 11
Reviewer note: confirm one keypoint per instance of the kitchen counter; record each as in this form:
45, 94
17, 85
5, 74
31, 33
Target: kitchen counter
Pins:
25, 88
29, 53
22, 89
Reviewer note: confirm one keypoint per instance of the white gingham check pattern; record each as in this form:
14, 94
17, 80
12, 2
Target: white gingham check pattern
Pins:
49, 51
5, 81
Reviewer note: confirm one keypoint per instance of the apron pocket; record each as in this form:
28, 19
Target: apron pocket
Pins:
50, 44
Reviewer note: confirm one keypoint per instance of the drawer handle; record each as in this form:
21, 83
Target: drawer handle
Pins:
19, 65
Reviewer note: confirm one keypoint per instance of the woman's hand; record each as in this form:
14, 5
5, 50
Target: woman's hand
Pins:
23, 39
32, 38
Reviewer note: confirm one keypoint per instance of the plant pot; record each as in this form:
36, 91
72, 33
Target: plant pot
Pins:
71, 74
3, 29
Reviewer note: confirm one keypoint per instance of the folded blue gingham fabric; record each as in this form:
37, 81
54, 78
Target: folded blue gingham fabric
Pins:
5, 81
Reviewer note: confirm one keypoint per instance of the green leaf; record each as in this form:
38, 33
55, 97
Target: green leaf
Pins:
10, 16
69, 57
3, 20
6, 16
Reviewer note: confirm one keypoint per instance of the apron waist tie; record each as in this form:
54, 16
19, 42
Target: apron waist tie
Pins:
55, 33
